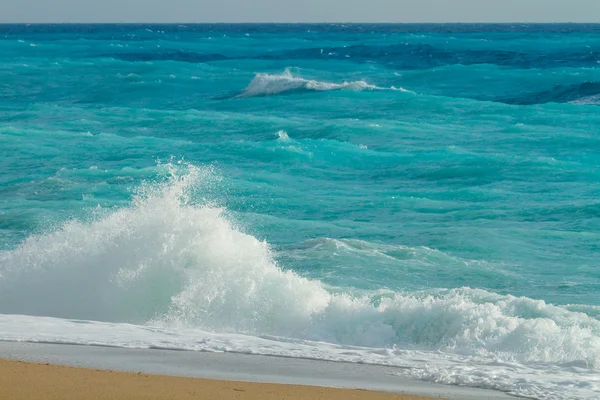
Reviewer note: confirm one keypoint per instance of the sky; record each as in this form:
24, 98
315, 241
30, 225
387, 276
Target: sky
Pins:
299, 11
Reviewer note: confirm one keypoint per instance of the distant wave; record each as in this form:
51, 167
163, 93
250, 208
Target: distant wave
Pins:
409, 55
167, 55
582, 93
589, 100
400, 56
265, 84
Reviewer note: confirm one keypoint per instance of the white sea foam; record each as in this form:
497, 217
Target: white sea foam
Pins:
186, 278
269, 84
589, 100
282, 135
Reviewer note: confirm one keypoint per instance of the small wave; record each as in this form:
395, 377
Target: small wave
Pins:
167, 55
282, 135
410, 55
265, 84
581, 93
588, 100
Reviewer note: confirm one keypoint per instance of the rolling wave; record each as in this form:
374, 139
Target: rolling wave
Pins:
270, 84
408, 55
580, 93
165, 259
167, 55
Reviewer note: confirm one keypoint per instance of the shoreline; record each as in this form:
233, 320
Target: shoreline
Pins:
59, 382
289, 377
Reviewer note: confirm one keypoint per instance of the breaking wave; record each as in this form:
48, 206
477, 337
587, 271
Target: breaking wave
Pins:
270, 84
170, 261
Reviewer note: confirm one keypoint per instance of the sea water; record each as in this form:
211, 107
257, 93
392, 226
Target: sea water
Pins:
424, 196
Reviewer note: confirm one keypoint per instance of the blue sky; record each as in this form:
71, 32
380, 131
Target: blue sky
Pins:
299, 10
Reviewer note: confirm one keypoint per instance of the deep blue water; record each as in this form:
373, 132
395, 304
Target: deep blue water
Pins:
386, 160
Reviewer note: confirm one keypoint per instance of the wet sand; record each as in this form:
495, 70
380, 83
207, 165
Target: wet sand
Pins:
267, 371
21, 380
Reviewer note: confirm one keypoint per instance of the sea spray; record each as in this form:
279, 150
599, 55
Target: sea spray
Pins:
168, 260
453, 233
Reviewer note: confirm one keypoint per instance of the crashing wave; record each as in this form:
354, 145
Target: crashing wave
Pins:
169, 261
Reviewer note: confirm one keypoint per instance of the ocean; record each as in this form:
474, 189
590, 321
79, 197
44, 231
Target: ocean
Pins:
421, 196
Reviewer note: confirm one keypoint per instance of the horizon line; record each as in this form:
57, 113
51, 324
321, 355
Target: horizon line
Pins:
308, 23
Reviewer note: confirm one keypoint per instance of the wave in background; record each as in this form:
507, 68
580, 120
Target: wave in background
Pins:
580, 93
265, 84
175, 263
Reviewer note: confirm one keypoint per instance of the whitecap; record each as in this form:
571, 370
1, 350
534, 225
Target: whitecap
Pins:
265, 84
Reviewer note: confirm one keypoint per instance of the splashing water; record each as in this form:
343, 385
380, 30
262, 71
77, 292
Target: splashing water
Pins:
378, 206
166, 259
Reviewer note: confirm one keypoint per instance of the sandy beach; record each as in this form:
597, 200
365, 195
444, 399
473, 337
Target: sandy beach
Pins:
62, 371
21, 380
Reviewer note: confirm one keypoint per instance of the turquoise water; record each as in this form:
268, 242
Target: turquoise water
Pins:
406, 187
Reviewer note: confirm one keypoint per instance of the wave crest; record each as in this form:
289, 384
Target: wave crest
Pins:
265, 84
168, 260
581, 93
